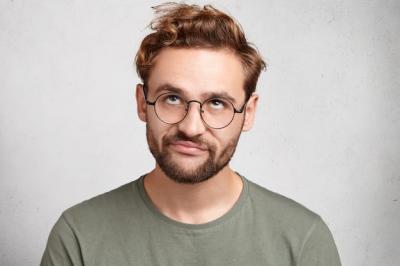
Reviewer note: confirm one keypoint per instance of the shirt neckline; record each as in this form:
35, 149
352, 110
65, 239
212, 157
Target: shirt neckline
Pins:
232, 211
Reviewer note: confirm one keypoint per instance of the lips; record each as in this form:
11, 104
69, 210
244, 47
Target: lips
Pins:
190, 144
189, 147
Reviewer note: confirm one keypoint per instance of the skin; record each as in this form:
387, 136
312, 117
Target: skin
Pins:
196, 71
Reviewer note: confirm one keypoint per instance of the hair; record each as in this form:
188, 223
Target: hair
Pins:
191, 26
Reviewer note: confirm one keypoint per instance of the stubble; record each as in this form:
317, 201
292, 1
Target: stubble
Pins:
175, 170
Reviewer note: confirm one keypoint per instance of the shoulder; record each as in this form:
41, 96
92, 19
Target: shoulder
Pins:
280, 211
104, 208
85, 225
298, 226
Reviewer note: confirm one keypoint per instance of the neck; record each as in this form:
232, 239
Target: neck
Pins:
194, 203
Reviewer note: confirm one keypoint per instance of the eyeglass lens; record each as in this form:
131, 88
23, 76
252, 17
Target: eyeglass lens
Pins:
216, 112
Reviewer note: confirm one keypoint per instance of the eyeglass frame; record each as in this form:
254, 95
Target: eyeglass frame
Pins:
235, 111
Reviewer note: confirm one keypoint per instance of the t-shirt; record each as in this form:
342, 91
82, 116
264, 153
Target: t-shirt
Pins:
124, 227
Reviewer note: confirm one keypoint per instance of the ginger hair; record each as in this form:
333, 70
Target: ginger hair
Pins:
191, 26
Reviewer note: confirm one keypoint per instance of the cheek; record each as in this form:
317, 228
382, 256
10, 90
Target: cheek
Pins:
154, 127
159, 129
221, 139
237, 123
235, 127
226, 136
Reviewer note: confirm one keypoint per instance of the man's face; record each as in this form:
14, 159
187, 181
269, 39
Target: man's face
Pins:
190, 152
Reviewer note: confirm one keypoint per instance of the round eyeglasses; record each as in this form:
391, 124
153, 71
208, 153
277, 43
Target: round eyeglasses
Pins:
171, 108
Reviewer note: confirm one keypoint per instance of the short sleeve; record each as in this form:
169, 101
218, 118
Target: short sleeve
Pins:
319, 248
62, 246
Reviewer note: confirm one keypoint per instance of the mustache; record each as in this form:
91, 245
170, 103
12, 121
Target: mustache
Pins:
180, 136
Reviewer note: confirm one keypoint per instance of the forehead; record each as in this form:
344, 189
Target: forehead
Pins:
198, 71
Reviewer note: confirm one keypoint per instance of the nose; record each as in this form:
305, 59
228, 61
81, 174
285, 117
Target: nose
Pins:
192, 124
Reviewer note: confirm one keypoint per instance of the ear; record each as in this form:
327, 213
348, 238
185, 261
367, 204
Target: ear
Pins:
141, 103
250, 112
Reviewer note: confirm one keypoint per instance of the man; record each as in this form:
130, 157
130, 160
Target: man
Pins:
199, 76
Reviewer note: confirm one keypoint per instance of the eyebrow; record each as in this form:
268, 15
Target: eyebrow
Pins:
207, 95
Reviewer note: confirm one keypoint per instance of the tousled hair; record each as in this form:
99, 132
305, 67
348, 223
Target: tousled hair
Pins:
191, 26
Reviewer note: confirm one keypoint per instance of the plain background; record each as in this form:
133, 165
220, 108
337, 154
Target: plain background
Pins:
326, 134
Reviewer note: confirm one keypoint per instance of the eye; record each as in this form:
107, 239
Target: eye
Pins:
217, 104
172, 99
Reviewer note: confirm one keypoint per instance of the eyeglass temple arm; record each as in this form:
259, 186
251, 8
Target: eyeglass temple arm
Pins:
145, 95
243, 106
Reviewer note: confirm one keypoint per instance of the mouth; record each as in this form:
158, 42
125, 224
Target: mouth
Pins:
188, 147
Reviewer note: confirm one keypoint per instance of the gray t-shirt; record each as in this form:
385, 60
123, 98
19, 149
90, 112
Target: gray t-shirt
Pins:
123, 227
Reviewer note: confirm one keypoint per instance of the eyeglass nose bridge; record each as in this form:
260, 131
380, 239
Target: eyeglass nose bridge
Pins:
187, 111
195, 101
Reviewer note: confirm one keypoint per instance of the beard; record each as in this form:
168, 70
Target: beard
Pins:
174, 170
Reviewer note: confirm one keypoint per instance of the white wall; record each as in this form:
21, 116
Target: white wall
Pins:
326, 135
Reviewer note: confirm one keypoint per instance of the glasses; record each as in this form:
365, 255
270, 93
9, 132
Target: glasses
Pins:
171, 108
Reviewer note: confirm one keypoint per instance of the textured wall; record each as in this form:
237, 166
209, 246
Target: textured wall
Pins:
326, 135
